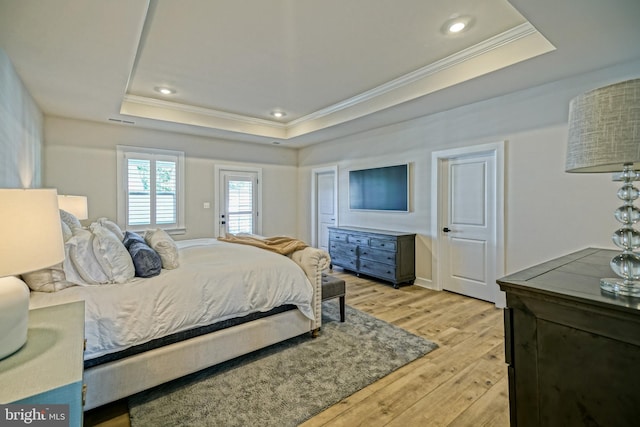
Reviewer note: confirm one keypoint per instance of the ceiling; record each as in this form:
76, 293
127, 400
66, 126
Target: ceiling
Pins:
335, 67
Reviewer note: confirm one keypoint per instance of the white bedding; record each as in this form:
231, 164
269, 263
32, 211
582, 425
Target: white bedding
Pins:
215, 281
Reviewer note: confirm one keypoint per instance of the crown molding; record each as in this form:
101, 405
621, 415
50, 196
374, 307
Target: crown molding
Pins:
208, 112
157, 109
486, 46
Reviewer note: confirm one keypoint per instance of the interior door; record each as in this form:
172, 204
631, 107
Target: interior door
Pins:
468, 226
326, 207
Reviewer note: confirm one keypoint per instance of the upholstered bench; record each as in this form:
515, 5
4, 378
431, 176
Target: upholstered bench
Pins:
333, 287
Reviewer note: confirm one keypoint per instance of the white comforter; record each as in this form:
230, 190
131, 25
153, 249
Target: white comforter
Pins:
215, 281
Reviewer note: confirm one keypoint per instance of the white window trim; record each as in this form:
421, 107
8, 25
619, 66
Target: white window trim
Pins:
121, 152
218, 169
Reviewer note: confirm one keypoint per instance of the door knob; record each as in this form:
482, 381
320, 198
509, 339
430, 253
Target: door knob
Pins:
446, 229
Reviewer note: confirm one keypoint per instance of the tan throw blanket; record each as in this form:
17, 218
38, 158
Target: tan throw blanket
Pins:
280, 244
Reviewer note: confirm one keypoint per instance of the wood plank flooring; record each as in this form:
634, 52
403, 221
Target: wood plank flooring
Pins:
462, 383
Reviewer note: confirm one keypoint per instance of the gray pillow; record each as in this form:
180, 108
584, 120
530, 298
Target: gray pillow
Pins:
146, 261
130, 238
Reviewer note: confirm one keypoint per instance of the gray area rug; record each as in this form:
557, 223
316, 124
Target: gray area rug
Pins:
287, 383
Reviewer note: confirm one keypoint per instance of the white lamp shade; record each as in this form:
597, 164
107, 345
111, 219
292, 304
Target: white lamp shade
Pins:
30, 229
76, 205
604, 129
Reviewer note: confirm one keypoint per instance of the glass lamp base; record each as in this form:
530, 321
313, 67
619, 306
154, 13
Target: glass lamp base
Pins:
620, 287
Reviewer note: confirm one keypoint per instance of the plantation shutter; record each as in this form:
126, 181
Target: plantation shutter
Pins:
151, 190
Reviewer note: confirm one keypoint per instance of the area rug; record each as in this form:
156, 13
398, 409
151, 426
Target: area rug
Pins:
287, 383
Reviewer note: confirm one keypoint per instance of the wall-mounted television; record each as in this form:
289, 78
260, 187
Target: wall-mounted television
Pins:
380, 189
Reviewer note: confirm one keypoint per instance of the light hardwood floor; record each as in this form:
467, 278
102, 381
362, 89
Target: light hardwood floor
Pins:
462, 383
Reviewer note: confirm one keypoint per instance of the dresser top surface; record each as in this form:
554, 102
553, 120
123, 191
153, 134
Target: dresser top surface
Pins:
575, 276
371, 231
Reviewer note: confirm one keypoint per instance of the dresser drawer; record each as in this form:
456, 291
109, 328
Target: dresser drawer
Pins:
377, 269
335, 236
357, 239
345, 249
378, 255
387, 245
345, 262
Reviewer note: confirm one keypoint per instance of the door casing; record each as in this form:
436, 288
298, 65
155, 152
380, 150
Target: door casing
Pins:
438, 159
315, 215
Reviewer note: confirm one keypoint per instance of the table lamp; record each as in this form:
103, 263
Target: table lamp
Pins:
31, 240
604, 136
76, 205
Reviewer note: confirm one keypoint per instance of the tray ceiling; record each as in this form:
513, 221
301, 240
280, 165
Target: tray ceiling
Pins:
331, 66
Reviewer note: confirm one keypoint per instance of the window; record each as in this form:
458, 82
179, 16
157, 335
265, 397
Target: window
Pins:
239, 203
150, 189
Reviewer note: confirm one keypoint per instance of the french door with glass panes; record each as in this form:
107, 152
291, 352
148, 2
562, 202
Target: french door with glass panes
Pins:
238, 211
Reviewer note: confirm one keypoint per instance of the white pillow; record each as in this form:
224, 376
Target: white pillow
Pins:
112, 226
113, 257
83, 259
70, 219
50, 279
162, 243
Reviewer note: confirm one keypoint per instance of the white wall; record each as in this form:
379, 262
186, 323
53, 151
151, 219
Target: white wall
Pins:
548, 212
80, 159
20, 131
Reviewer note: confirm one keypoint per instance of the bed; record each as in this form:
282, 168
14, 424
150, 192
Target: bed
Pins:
220, 301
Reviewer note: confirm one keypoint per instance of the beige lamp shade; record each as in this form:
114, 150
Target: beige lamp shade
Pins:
30, 230
604, 129
76, 205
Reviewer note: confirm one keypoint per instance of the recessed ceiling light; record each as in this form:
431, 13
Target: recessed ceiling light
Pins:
278, 114
164, 90
457, 25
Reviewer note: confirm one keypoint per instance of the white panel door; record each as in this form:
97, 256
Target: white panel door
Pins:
469, 226
326, 207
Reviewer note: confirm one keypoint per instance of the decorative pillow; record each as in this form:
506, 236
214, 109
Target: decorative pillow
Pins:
83, 259
70, 219
146, 261
50, 279
130, 237
111, 254
162, 243
112, 227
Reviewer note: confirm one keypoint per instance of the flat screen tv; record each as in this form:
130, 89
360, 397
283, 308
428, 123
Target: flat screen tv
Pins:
380, 189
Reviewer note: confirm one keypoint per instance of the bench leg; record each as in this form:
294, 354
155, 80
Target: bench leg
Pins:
342, 314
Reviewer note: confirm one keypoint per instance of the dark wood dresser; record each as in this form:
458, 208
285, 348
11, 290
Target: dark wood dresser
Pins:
387, 255
573, 351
